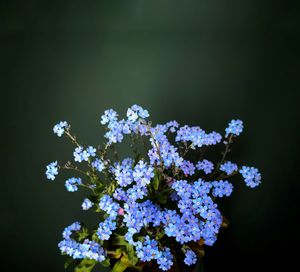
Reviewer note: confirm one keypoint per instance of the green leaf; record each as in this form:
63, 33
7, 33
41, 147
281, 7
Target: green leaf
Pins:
156, 180
94, 178
119, 266
119, 240
132, 259
106, 263
99, 189
116, 254
111, 188
160, 235
85, 266
123, 263
68, 262
155, 183
128, 251
82, 234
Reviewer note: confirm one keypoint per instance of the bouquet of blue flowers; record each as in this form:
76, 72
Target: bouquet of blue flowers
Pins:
156, 210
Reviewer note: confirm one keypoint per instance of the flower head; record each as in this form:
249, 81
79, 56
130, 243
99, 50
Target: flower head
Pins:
206, 166
59, 129
98, 165
51, 170
229, 167
235, 127
190, 257
71, 184
251, 176
86, 204
222, 188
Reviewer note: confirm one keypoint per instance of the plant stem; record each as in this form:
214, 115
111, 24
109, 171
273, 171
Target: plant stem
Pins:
73, 138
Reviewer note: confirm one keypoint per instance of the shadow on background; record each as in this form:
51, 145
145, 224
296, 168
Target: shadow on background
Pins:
199, 62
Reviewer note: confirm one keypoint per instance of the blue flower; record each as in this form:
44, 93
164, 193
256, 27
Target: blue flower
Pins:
51, 170
109, 116
71, 184
115, 132
107, 204
123, 172
88, 249
91, 151
142, 173
190, 257
188, 168
78, 154
132, 115
68, 230
59, 129
148, 250
228, 167
138, 112
206, 166
251, 176
106, 228
120, 195
235, 127
165, 259
98, 165
197, 136
83, 155
86, 204
133, 208
222, 188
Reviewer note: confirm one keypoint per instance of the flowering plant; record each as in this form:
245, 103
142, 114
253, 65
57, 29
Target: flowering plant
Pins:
157, 210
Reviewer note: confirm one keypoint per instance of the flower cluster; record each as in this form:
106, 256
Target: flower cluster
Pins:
52, 170
59, 129
229, 167
206, 166
251, 175
86, 250
80, 154
149, 206
235, 127
190, 257
72, 183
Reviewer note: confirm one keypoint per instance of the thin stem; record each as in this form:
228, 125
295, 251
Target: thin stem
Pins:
73, 138
226, 151
67, 167
187, 149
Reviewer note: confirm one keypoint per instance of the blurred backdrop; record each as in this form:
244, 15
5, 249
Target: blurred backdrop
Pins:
198, 62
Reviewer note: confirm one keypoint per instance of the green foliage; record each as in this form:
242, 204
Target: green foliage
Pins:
82, 234
106, 263
125, 252
85, 266
68, 262
110, 188
156, 180
120, 266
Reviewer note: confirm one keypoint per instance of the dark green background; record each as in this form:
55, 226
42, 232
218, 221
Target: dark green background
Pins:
199, 62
